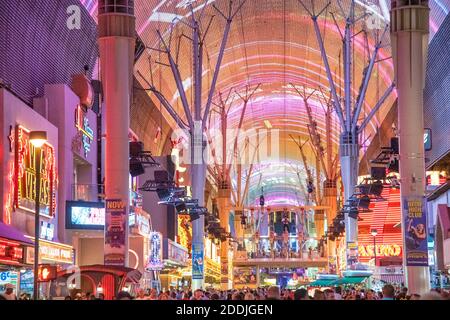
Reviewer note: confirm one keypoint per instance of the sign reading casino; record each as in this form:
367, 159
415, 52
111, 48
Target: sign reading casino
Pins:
25, 175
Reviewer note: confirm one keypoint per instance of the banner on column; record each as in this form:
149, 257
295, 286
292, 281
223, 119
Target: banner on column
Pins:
415, 229
352, 254
332, 264
224, 269
197, 261
115, 232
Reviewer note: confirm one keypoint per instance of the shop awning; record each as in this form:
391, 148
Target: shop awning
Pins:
322, 282
10, 233
348, 280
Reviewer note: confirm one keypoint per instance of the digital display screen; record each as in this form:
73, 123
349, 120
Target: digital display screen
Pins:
89, 215
85, 215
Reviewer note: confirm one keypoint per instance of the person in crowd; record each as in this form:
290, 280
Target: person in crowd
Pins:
68, 298
329, 294
237, 296
141, 295
249, 296
198, 295
9, 294
301, 294
318, 295
214, 296
388, 292
338, 293
163, 296
124, 295
432, 296
273, 293
402, 295
153, 294
371, 295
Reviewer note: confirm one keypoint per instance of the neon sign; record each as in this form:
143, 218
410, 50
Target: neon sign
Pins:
25, 175
11, 252
155, 260
82, 124
382, 250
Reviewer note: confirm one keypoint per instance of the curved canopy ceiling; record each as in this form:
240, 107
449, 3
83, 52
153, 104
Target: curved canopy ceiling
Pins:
271, 44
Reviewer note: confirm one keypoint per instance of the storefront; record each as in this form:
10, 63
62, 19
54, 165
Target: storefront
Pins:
14, 269
176, 258
212, 264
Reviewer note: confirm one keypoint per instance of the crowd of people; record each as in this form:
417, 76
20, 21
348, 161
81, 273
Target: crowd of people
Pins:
389, 292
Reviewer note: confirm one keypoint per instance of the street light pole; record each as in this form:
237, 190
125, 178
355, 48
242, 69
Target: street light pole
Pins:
37, 139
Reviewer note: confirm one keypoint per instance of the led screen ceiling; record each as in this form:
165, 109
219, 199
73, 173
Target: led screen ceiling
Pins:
272, 44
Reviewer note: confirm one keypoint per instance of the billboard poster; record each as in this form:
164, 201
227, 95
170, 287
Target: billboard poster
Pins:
197, 261
415, 229
115, 232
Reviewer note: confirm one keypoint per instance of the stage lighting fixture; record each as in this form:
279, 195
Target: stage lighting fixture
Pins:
393, 165
376, 188
378, 173
136, 148
364, 189
181, 207
194, 216
394, 145
136, 168
353, 213
364, 202
163, 194
310, 187
161, 176
243, 220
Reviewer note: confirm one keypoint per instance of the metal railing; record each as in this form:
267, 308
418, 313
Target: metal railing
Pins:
88, 192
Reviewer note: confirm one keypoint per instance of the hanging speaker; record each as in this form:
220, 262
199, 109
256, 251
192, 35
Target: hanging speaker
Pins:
378, 173
161, 176
136, 168
394, 145
136, 147
163, 194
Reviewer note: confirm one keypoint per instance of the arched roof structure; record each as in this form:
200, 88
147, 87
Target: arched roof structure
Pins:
272, 44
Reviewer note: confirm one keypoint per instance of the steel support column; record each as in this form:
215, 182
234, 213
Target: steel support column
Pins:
349, 153
409, 39
223, 202
117, 32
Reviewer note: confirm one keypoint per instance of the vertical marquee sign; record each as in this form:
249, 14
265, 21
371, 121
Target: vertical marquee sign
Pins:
115, 232
155, 260
25, 175
415, 232
82, 124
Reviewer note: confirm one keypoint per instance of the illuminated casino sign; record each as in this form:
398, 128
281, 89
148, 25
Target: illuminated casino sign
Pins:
11, 252
385, 217
51, 252
82, 124
25, 175
383, 250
